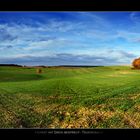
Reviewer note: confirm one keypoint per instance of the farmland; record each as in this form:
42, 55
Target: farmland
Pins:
66, 97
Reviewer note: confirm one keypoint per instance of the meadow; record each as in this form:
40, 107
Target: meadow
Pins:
67, 97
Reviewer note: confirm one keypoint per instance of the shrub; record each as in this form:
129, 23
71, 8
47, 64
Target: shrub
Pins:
39, 70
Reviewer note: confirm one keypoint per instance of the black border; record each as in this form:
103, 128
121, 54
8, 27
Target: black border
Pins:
68, 133
70, 5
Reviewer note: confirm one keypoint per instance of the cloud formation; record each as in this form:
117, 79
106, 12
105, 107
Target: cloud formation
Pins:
72, 59
55, 38
5, 36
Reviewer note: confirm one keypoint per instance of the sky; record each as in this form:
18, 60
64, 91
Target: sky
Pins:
69, 38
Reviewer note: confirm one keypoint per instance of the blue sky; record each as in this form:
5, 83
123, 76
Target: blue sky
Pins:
69, 38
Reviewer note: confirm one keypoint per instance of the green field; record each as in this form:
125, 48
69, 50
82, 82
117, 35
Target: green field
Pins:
97, 97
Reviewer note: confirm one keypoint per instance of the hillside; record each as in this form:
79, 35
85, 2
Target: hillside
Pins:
94, 97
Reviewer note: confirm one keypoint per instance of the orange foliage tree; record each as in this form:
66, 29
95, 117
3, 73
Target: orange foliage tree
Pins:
136, 63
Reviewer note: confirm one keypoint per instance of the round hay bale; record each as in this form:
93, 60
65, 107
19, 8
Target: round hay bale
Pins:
136, 63
38, 70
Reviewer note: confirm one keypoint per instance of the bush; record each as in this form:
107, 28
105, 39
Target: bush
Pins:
39, 70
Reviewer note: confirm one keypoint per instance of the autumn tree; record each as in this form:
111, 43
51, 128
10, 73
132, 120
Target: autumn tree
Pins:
136, 63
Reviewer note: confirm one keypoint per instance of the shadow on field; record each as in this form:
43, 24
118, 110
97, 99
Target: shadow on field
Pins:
19, 77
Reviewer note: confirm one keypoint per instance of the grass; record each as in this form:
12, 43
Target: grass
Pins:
97, 97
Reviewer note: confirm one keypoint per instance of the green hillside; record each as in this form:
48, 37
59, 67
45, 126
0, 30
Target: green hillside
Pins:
63, 97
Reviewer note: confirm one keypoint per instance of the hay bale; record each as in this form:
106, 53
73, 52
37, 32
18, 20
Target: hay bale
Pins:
136, 63
38, 70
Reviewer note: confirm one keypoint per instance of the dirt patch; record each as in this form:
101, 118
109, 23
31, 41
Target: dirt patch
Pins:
137, 108
24, 96
135, 96
113, 75
120, 73
43, 108
82, 118
125, 72
118, 98
132, 120
59, 97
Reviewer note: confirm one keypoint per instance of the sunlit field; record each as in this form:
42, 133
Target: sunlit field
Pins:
66, 97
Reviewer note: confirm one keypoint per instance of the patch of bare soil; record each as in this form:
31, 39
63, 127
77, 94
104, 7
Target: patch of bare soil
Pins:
132, 119
125, 72
82, 118
120, 73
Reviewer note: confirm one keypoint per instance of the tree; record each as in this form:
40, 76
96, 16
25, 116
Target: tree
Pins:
136, 63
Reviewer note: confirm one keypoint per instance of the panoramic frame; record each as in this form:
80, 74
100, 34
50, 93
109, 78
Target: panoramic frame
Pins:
69, 69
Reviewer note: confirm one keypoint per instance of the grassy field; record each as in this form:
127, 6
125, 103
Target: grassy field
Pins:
99, 97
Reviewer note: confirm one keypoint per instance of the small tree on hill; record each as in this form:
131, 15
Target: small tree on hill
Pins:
39, 70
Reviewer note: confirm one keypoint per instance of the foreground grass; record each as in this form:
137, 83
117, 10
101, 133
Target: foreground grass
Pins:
100, 97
